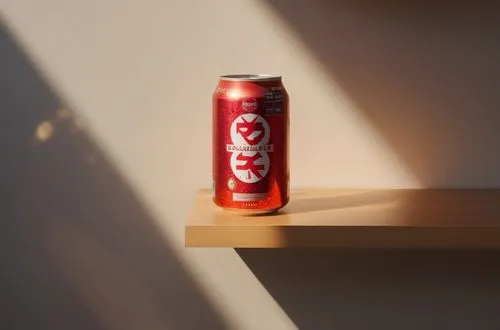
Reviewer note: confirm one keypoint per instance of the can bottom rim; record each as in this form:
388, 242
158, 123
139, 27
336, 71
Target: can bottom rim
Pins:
249, 212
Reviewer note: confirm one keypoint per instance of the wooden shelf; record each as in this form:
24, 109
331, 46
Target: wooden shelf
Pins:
403, 218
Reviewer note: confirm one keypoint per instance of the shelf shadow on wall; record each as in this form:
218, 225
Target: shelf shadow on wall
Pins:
324, 289
78, 250
426, 74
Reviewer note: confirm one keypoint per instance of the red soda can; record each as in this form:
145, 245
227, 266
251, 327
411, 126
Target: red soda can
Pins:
250, 144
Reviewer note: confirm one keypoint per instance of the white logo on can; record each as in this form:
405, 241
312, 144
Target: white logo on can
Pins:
250, 135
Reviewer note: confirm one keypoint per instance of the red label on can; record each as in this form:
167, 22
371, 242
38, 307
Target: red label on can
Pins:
250, 146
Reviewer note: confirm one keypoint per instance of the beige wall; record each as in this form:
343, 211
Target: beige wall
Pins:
141, 74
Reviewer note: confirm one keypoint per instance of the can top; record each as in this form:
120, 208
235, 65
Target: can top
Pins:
250, 77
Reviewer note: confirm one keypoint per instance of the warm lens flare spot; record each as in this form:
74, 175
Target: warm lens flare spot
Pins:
44, 131
63, 114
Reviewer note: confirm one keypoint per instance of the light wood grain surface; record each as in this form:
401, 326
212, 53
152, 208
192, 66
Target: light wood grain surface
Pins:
405, 218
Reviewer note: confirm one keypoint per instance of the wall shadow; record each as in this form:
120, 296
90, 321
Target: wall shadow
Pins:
78, 250
425, 73
400, 289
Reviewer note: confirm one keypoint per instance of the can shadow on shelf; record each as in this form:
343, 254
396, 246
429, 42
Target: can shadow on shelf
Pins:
411, 207
345, 201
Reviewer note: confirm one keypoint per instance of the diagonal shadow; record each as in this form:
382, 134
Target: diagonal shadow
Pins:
78, 250
425, 74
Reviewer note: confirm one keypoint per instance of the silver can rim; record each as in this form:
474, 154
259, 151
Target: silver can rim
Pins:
250, 77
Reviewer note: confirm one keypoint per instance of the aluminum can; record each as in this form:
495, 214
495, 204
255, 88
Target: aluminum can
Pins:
250, 144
